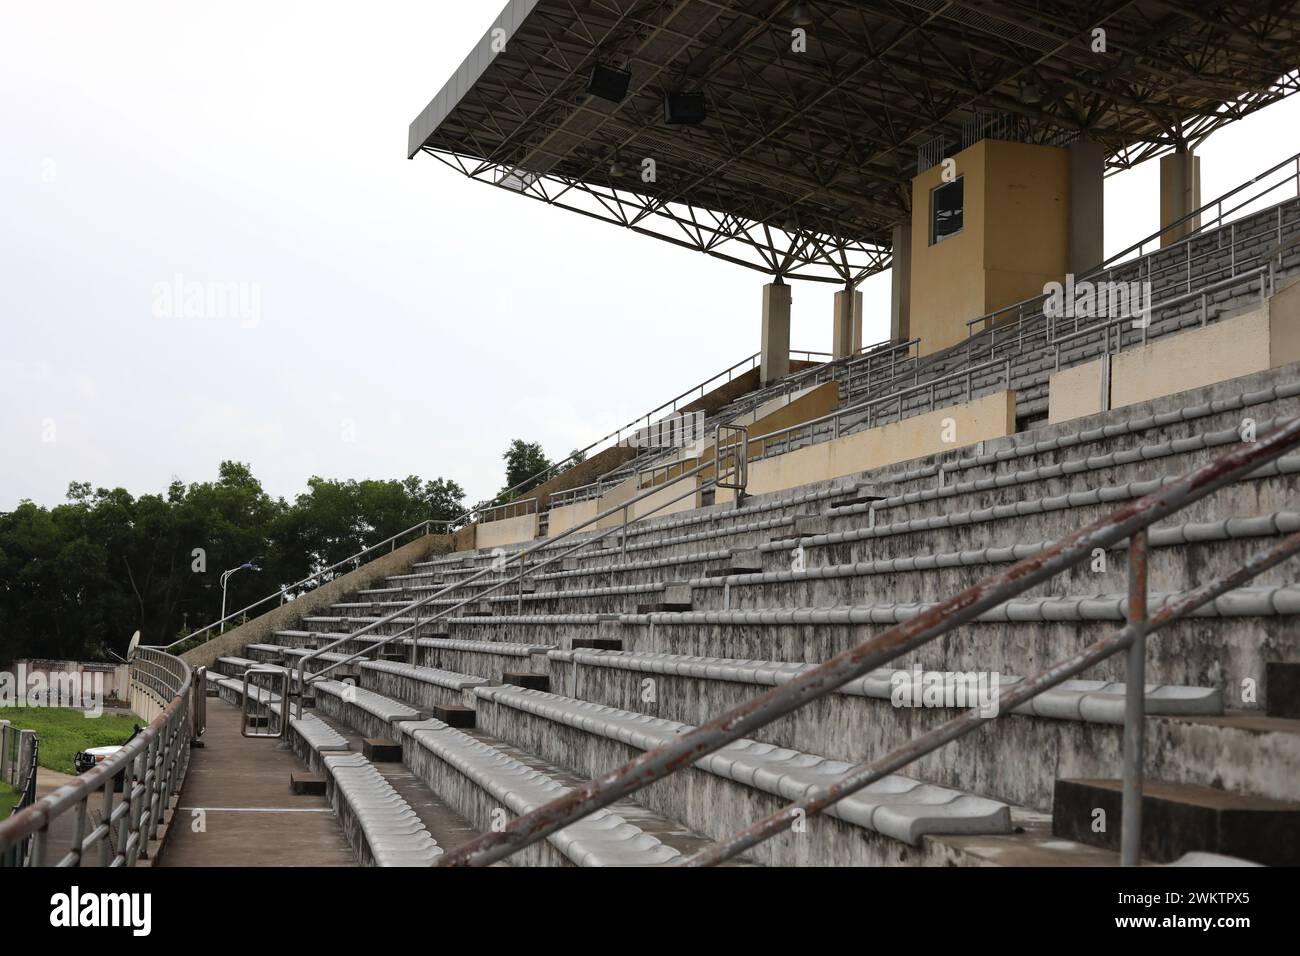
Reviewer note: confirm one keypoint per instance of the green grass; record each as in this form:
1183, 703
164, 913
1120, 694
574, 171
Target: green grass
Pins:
63, 732
8, 797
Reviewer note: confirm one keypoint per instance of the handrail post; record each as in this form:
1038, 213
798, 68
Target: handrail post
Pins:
523, 567
1134, 703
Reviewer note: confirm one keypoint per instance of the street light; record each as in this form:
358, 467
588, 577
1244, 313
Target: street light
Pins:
225, 576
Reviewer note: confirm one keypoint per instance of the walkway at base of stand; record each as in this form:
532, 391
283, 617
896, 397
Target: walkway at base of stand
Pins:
252, 818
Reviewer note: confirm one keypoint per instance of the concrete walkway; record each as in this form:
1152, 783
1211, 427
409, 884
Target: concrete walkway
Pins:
250, 815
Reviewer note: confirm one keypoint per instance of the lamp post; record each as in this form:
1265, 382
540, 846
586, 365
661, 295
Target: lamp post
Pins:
225, 576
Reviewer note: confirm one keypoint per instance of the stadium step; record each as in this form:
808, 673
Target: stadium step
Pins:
491, 785
724, 789
1180, 818
445, 826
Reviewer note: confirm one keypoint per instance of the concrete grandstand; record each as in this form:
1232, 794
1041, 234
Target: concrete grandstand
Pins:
1013, 586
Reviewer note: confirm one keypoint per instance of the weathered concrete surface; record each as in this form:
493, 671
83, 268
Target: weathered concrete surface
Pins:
287, 616
447, 827
1181, 818
252, 816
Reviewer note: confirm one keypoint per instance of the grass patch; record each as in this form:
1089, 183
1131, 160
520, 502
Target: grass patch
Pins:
63, 732
8, 797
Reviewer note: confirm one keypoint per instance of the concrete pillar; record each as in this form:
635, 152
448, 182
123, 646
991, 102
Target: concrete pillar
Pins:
1180, 193
26, 744
1087, 205
900, 303
846, 337
776, 331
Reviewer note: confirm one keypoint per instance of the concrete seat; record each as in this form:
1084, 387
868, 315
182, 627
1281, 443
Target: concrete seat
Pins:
895, 806
429, 675
390, 832
601, 839
385, 708
1095, 701
425, 687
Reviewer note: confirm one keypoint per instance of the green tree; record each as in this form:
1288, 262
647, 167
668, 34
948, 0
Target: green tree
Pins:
526, 465
79, 578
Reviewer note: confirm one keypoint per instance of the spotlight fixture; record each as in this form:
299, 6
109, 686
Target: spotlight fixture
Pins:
684, 109
801, 16
1031, 93
617, 169
608, 82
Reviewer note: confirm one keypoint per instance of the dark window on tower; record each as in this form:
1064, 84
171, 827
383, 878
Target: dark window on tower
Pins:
946, 203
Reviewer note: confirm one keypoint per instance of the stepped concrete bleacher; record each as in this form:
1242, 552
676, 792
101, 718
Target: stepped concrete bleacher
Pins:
498, 699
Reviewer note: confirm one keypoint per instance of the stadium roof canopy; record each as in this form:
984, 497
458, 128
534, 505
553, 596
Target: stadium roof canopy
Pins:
803, 163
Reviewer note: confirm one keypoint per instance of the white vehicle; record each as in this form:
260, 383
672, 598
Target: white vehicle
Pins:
92, 757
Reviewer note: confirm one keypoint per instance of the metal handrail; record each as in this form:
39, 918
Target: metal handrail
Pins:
1264, 273
1128, 638
790, 383
1218, 220
424, 526
16, 855
1113, 262
447, 525
151, 763
1182, 267
1125, 523
520, 557
510, 509
834, 418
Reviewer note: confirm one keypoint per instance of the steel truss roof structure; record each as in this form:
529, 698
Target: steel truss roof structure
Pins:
804, 161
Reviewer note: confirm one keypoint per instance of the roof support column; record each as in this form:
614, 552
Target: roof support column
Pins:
1087, 205
846, 336
900, 303
1180, 194
775, 346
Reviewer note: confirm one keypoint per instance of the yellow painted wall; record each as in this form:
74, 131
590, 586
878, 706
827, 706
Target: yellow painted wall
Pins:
992, 416
1192, 359
948, 278
1014, 238
1248, 343
566, 517
1074, 392
808, 405
615, 496
495, 534
646, 507
1284, 325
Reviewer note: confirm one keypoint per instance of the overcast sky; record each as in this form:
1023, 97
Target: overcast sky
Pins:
397, 318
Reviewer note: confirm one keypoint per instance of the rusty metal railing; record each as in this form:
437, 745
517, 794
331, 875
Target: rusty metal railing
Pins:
297, 678
107, 831
1128, 522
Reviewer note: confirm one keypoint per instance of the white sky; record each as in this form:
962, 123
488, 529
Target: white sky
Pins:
428, 318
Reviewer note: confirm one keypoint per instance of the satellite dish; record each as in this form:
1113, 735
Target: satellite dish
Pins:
130, 648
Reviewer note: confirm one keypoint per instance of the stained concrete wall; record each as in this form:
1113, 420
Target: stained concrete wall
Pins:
1261, 339
288, 616
992, 416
